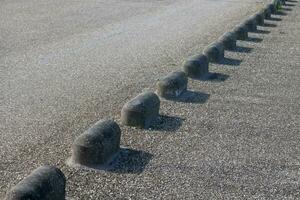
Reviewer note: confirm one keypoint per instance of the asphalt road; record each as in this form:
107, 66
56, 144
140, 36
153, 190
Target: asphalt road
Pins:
66, 65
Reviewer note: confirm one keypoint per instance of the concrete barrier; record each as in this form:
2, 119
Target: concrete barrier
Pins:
272, 8
44, 183
267, 12
141, 111
214, 52
196, 66
229, 40
251, 24
172, 85
97, 145
241, 32
259, 18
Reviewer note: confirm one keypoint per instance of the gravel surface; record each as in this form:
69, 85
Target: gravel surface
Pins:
236, 137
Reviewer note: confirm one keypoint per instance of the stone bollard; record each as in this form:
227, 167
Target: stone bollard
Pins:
241, 32
251, 24
259, 18
172, 85
141, 111
272, 8
229, 40
97, 145
44, 183
214, 52
267, 12
196, 66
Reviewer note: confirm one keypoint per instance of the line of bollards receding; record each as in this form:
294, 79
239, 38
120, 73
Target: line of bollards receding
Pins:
101, 143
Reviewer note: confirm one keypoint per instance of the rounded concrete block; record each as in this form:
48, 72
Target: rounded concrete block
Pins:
251, 24
241, 32
98, 144
196, 66
229, 40
172, 85
141, 111
214, 52
272, 8
44, 183
267, 12
259, 18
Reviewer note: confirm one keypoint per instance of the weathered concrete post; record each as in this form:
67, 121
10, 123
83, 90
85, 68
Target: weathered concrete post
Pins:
44, 183
196, 66
141, 111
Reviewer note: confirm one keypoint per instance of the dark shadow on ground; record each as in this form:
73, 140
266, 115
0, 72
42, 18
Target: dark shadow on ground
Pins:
292, 1
214, 77
230, 61
290, 4
191, 97
259, 31
126, 161
254, 39
277, 19
130, 161
281, 13
266, 24
287, 9
166, 123
241, 49
217, 77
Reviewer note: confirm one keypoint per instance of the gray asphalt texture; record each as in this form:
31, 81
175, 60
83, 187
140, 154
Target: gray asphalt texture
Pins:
236, 137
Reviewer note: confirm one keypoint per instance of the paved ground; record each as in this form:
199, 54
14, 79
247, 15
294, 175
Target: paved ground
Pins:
230, 138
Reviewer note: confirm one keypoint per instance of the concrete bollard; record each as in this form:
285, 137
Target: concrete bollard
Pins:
196, 66
251, 24
141, 111
44, 183
97, 145
267, 12
172, 85
259, 18
229, 40
241, 32
214, 52
272, 8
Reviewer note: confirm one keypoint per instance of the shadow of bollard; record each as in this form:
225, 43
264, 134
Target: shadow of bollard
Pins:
130, 162
167, 123
241, 49
254, 39
190, 96
259, 31
230, 61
